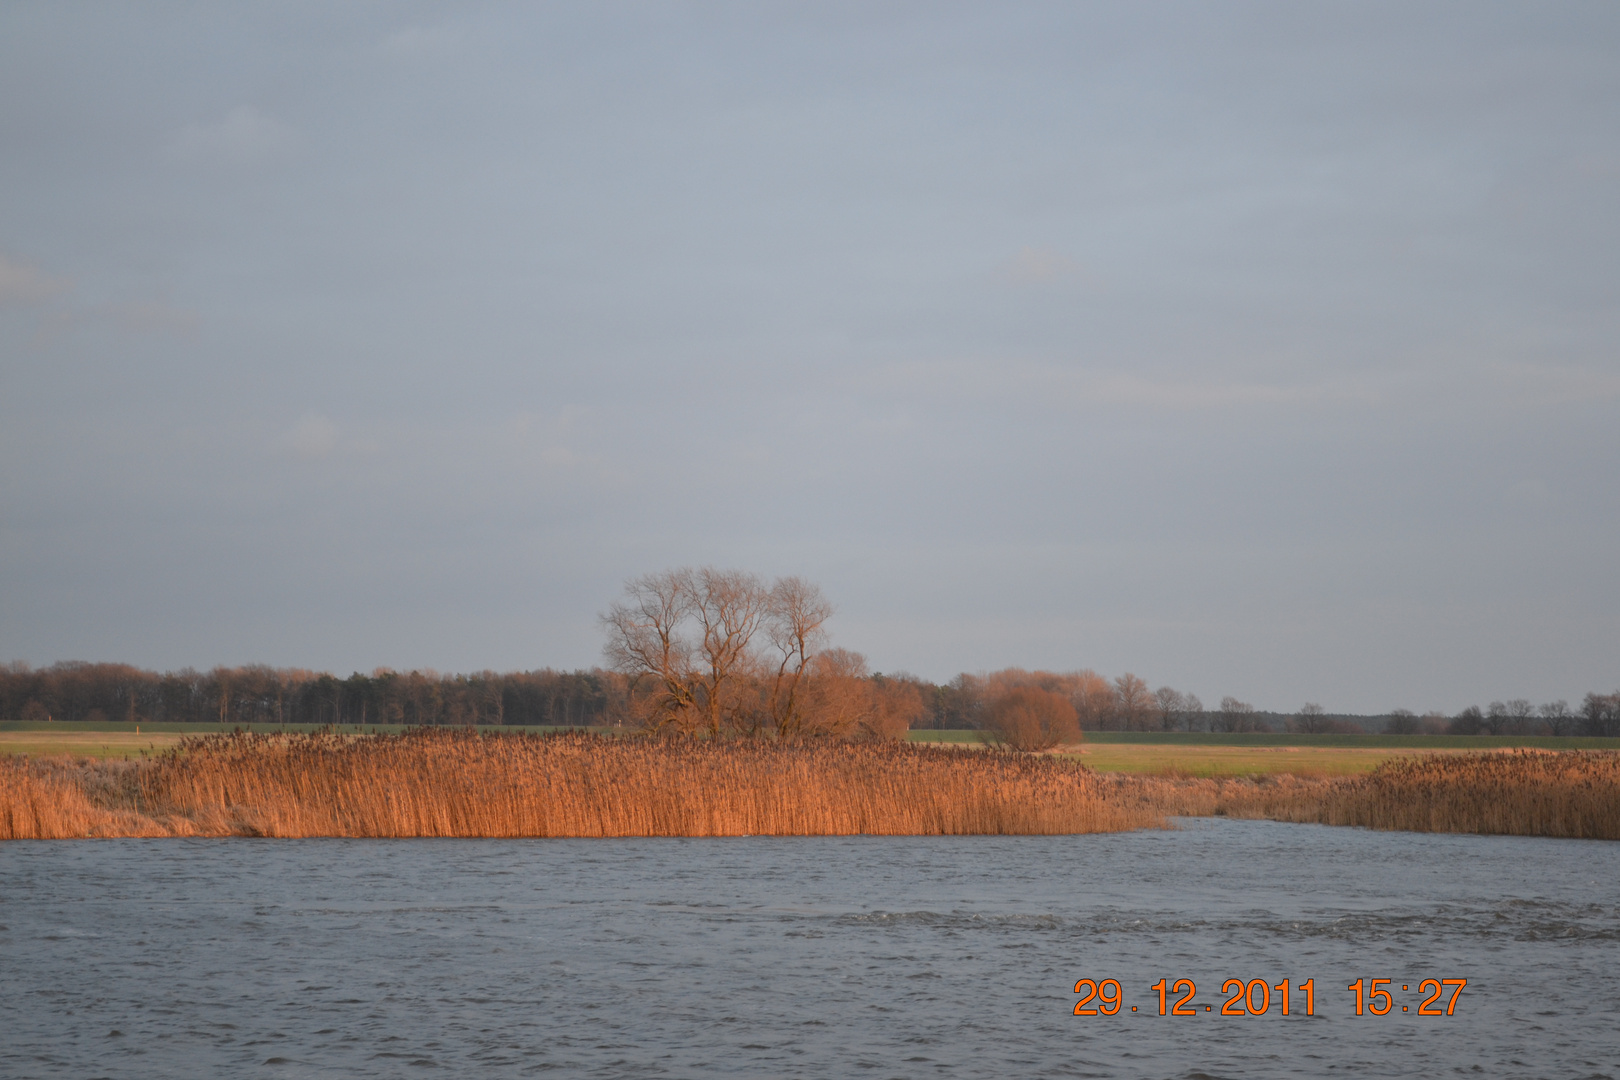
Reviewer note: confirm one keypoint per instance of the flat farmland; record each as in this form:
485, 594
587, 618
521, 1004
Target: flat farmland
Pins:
1183, 760
86, 744
1259, 754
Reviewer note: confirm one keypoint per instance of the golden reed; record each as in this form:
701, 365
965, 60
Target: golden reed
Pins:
1573, 794
459, 783
1518, 792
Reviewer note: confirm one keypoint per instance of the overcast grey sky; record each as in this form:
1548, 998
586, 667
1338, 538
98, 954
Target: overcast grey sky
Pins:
1265, 350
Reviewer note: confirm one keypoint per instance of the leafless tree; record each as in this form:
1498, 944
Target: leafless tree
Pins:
840, 699
1468, 722
647, 643
1521, 716
1192, 713
796, 616
692, 677
1401, 722
1310, 720
1169, 703
1132, 702
1093, 700
1600, 714
728, 608
1029, 718
718, 652
896, 705
1557, 716
1237, 715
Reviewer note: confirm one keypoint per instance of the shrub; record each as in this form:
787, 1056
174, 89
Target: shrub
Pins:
1028, 718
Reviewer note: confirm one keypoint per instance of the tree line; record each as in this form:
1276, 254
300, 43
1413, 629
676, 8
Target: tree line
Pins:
101, 692
257, 694
701, 651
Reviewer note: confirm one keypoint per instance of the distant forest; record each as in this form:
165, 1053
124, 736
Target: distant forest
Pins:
102, 692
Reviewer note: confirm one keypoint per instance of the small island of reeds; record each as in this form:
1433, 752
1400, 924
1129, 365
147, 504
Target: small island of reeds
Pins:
432, 782
457, 783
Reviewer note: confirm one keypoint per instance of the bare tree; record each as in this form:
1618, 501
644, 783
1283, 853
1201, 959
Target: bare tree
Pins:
840, 699
1310, 720
1401, 722
835, 696
1029, 718
1557, 716
1132, 702
717, 652
646, 642
796, 616
691, 678
896, 705
1169, 704
1468, 722
1192, 713
1093, 699
1600, 714
1237, 715
728, 606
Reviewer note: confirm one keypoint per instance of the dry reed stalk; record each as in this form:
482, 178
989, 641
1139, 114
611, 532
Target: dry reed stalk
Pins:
1572, 794
1270, 796
59, 800
437, 783
1517, 792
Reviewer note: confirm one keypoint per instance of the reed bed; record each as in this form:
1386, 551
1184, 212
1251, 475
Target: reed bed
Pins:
441, 783
1574, 794
54, 799
444, 784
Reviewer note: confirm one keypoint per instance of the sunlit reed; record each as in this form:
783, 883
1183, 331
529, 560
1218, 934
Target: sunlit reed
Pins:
1516, 792
440, 783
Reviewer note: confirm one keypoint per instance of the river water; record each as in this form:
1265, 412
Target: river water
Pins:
822, 957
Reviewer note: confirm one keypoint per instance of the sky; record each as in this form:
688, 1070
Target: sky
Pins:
1264, 350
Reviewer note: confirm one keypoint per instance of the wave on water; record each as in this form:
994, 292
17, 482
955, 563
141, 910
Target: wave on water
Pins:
1518, 920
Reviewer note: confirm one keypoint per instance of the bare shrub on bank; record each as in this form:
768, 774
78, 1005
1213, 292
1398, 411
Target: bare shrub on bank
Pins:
1029, 718
460, 783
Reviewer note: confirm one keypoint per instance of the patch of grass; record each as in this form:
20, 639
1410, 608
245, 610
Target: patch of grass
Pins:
1173, 760
1265, 739
86, 744
942, 735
